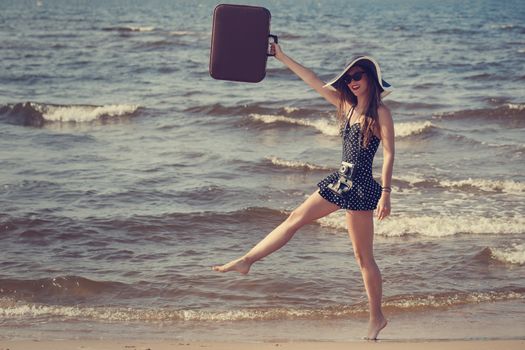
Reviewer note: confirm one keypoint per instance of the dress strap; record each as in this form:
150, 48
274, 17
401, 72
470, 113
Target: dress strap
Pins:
348, 117
350, 113
347, 124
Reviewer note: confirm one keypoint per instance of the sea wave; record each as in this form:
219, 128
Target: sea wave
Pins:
295, 164
510, 255
130, 29
182, 33
436, 226
507, 186
327, 127
469, 185
512, 114
61, 288
12, 308
516, 106
410, 105
290, 110
422, 302
36, 114
508, 26
330, 127
165, 224
414, 128
219, 109
502, 26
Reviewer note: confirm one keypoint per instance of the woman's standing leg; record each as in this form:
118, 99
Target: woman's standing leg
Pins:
313, 208
361, 231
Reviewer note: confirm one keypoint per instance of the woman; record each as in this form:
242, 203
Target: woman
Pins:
364, 121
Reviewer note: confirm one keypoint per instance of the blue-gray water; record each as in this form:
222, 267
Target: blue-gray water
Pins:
126, 171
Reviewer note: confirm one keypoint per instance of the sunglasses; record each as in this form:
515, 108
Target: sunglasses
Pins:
347, 78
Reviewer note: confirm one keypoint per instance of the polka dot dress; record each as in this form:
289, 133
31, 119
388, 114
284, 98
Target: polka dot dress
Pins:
365, 191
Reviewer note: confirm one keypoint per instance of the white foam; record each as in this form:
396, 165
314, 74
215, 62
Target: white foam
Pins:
331, 128
518, 106
325, 126
295, 164
512, 255
141, 29
10, 308
412, 128
435, 226
182, 33
290, 109
450, 299
411, 178
502, 26
507, 186
82, 113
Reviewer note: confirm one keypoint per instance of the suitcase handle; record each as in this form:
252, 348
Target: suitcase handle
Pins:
275, 41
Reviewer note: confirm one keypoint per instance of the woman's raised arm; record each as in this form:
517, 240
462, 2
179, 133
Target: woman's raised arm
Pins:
306, 75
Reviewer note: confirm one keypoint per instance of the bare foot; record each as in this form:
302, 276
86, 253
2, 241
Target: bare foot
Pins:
375, 326
241, 265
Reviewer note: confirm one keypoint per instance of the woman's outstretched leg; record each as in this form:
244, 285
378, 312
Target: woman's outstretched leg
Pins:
315, 207
361, 231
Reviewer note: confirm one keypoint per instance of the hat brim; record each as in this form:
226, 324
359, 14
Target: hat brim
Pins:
386, 87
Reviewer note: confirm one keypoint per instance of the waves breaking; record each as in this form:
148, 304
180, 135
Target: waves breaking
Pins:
331, 128
436, 226
514, 254
414, 128
470, 184
295, 164
36, 114
512, 114
325, 126
130, 29
11, 308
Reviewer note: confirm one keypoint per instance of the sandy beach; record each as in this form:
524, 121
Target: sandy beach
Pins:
154, 345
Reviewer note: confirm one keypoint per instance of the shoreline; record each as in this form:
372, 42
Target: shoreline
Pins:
473, 322
165, 345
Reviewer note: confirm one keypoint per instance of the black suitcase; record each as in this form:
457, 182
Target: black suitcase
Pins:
239, 43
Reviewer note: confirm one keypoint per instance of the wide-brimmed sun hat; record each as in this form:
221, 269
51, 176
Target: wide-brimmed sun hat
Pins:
372, 65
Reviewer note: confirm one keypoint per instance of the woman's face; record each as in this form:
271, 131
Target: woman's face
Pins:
358, 87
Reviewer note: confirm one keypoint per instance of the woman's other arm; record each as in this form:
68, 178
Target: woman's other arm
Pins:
386, 130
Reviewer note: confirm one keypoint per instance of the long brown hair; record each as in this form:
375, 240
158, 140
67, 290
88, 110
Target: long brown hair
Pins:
346, 97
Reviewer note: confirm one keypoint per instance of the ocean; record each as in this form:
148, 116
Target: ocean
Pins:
126, 172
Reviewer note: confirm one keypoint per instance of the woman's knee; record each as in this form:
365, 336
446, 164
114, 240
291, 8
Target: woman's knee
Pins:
296, 219
365, 260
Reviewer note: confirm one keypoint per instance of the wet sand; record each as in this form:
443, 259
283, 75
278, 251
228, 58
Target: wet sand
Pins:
166, 345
